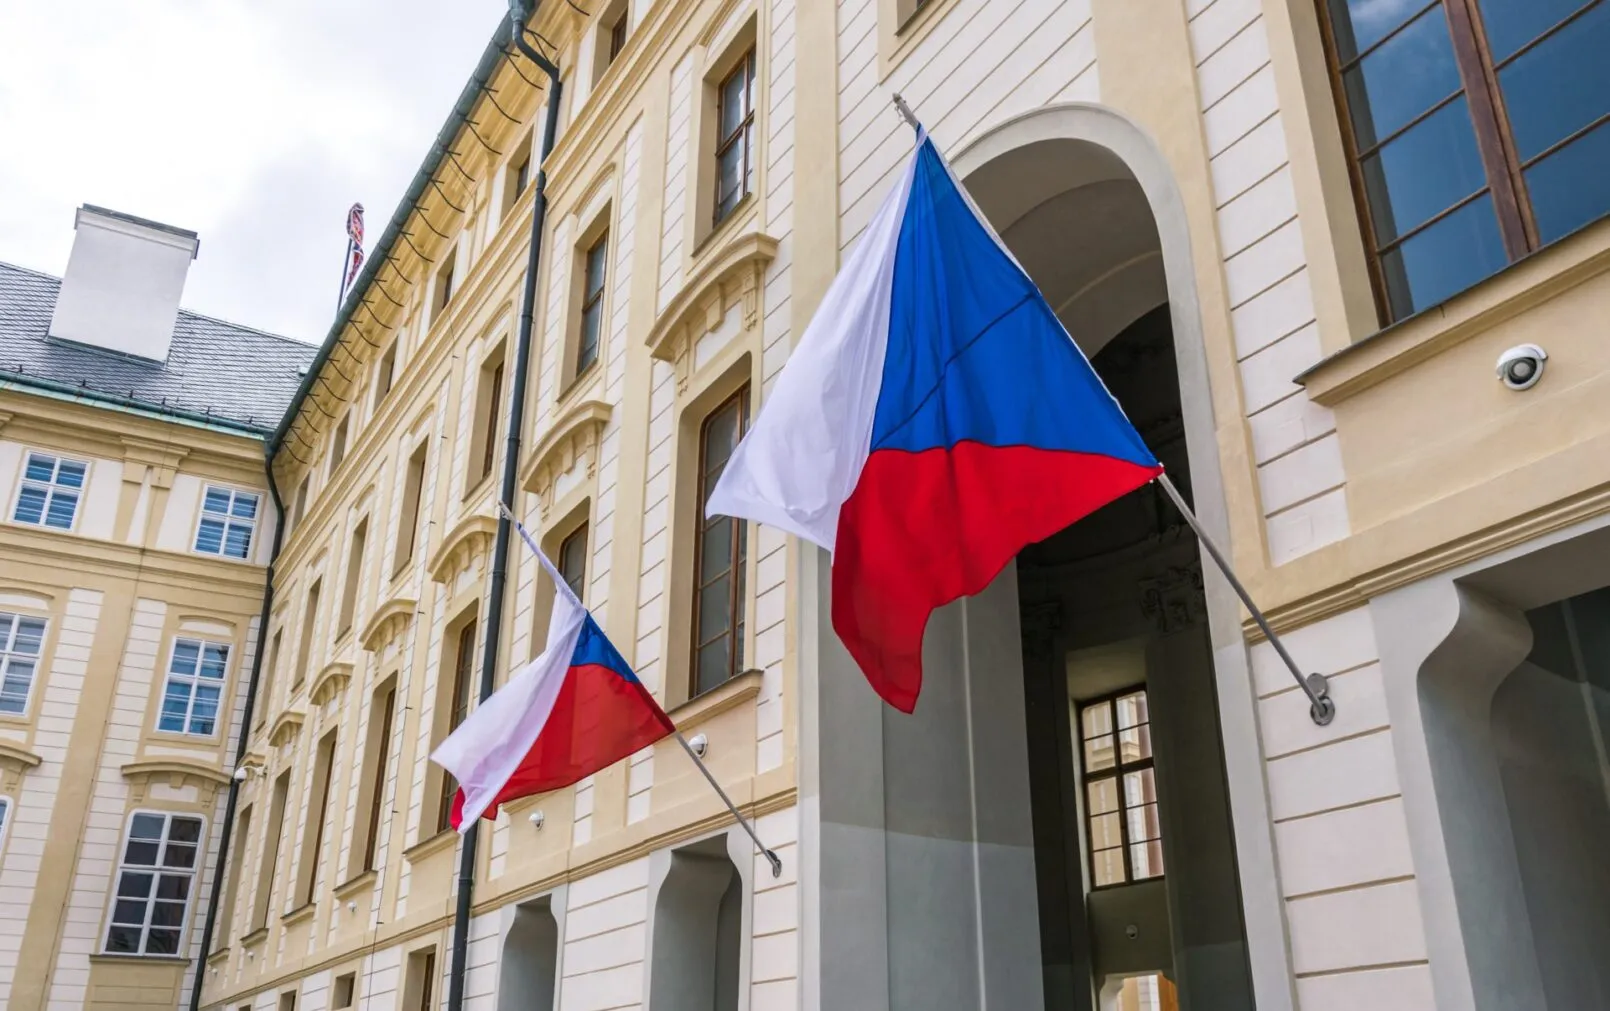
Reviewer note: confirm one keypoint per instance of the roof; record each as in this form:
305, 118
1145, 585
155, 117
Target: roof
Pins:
224, 372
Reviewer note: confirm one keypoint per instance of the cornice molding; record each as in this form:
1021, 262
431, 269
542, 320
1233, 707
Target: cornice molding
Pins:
330, 682
388, 620
178, 773
14, 762
160, 459
286, 728
575, 435
470, 537
734, 275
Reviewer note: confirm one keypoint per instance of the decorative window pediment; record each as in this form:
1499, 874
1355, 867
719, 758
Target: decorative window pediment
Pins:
574, 437
388, 622
14, 761
330, 682
286, 728
176, 773
470, 538
734, 275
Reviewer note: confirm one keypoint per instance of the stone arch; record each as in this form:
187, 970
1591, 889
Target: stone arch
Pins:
528, 963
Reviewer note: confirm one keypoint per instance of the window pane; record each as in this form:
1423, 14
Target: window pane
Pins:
1445, 259
30, 632
1360, 24
1097, 720
40, 467
715, 555
135, 885
720, 436
732, 104
715, 606
1143, 823
30, 505
70, 474
1105, 832
715, 664
238, 542
217, 501
1102, 796
729, 179
1132, 710
1409, 74
1135, 744
123, 940
1147, 859
214, 659
1140, 787
167, 914
1571, 187
146, 826
1561, 86
1423, 173
596, 258
185, 830
185, 654
1513, 23
245, 505
162, 942
587, 351
175, 887
1107, 867
1099, 753
63, 504
210, 537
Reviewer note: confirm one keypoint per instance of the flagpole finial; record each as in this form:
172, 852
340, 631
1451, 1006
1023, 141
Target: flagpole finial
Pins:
906, 113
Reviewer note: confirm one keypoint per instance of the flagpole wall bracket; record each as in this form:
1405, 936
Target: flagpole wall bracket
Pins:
1321, 707
906, 113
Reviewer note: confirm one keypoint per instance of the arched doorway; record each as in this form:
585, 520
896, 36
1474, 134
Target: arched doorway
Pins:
954, 845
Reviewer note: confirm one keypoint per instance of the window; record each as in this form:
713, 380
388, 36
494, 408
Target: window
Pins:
444, 286
408, 522
5, 816
21, 638
153, 884
310, 619
50, 490
313, 830
338, 443
719, 556
265, 692
354, 577
378, 758
345, 990
592, 303
488, 412
228, 519
516, 177
419, 984
195, 681
386, 373
268, 863
617, 36
462, 681
735, 131
299, 502
1120, 790
573, 561
1479, 130
237, 867
287, 1001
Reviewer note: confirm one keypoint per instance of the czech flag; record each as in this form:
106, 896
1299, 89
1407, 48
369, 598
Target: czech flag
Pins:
934, 420
572, 711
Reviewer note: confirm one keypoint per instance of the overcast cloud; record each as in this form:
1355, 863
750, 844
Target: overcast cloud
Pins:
256, 123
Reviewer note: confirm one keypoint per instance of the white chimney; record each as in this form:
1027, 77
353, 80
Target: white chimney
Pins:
123, 283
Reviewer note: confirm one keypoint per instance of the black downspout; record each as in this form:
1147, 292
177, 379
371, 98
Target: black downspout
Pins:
245, 733
511, 466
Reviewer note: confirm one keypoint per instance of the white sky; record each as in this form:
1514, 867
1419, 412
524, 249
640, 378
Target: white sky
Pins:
256, 123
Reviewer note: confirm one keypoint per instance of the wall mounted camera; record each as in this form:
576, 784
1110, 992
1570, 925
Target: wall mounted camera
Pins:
537, 819
1521, 366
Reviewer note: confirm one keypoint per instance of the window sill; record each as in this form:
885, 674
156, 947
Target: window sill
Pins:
255, 938
445, 839
1518, 288
481, 484
743, 210
110, 958
578, 382
703, 708
219, 957
299, 914
354, 886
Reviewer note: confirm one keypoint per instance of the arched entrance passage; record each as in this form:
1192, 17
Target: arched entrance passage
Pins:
931, 832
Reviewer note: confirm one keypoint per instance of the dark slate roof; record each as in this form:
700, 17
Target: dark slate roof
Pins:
240, 376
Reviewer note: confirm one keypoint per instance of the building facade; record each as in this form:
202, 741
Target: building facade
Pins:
1294, 239
136, 529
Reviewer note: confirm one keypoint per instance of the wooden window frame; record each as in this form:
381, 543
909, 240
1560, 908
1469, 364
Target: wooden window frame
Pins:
738, 559
310, 620
380, 762
743, 133
324, 773
1116, 773
352, 588
617, 35
458, 702
489, 411
570, 539
415, 470
1501, 165
592, 301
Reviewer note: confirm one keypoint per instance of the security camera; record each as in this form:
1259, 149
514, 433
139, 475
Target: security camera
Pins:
537, 819
1521, 366
240, 774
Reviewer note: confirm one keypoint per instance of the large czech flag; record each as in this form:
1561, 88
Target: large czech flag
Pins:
572, 711
934, 419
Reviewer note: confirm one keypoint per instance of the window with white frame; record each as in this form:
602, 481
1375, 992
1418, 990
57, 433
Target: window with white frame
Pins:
51, 487
21, 637
5, 819
154, 882
195, 681
228, 520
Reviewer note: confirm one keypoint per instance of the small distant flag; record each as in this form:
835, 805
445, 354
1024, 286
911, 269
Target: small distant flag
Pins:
354, 246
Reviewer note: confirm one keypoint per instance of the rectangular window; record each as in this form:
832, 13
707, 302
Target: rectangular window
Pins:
287, 1001
408, 522
386, 373
573, 561
5, 816
345, 990
154, 883
488, 413
195, 681
21, 639
1120, 790
338, 443
354, 577
310, 619
1479, 131
516, 177
735, 134
317, 816
237, 867
592, 303
265, 691
228, 520
50, 490
719, 556
379, 758
617, 36
463, 676
444, 286
299, 503
268, 863
419, 985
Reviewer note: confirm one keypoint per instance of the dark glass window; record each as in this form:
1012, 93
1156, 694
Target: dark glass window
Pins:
1126, 842
573, 561
617, 37
463, 684
719, 556
153, 884
592, 304
1480, 131
735, 132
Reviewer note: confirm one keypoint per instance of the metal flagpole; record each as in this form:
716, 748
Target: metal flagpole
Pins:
346, 267
771, 857
1321, 709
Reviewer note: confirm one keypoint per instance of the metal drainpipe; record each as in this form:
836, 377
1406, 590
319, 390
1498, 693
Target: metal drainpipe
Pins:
245, 733
511, 466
